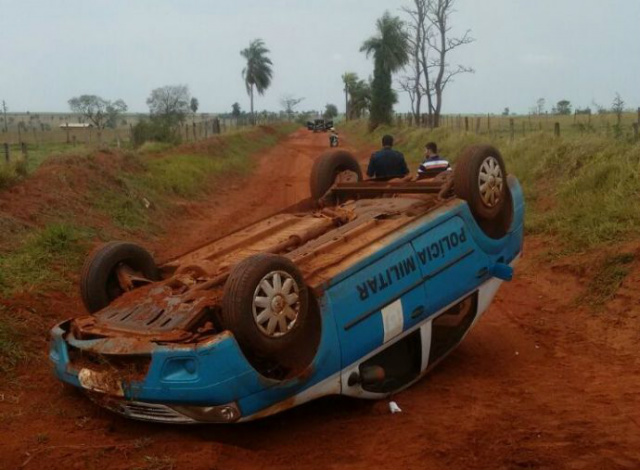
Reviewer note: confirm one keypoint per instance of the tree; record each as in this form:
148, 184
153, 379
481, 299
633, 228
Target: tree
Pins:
330, 111
349, 79
194, 105
4, 112
288, 102
100, 112
438, 14
170, 103
430, 46
258, 72
563, 107
360, 99
618, 107
506, 111
419, 30
540, 104
390, 50
236, 112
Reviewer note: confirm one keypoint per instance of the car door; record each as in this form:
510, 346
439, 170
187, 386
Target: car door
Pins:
451, 264
375, 304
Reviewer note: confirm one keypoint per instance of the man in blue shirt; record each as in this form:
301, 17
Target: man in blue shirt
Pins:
387, 163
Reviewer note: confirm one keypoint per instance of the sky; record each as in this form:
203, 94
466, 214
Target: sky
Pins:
584, 51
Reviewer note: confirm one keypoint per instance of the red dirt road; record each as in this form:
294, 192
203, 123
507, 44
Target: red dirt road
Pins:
540, 383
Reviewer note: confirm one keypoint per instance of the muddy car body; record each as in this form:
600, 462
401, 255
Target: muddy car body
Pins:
358, 295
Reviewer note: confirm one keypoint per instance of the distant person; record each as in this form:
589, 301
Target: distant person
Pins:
387, 163
433, 163
333, 138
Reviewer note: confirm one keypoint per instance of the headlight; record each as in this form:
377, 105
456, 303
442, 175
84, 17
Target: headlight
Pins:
210, 414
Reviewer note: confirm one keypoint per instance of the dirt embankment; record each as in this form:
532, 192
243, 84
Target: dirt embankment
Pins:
542, 382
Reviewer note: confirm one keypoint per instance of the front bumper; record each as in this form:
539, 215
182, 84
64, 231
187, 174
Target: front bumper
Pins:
210, 381
170, 414
180, 384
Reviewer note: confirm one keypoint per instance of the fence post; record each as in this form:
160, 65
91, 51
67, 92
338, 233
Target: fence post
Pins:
466, 123
635, 131
23, 148
489, 122
74, 140
638, 116
511, 129
556, 129
7, 156
67, 129
195, 132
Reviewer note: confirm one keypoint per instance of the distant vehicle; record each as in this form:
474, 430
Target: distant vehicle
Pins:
359, 291
319, 125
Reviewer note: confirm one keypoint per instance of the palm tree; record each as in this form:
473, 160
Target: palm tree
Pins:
257, 74
349, 79
390, 50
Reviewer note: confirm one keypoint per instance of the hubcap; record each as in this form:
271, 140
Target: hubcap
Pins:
276, 304
490, 181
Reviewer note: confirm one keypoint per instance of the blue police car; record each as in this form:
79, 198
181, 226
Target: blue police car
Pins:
358, 291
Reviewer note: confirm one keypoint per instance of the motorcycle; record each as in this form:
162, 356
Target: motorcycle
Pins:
333, 140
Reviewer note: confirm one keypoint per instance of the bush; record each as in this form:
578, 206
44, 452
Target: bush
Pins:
156, 129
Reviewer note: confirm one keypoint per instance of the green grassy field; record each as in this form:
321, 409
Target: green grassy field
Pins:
41, 256
605, 124
581, 189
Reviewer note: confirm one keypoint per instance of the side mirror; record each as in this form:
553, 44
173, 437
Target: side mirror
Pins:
502, 271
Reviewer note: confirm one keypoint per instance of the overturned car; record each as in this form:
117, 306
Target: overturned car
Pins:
359, 291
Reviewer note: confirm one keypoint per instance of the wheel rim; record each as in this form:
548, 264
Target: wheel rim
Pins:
276, 304
490, 182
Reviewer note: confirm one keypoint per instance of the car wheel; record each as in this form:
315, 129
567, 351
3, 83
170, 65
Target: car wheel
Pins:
101, 278
266, 306
327, 168
480, 179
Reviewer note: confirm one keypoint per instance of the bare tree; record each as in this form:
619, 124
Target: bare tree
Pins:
413, 84
288, 102
439, 13
430, 46
618, 107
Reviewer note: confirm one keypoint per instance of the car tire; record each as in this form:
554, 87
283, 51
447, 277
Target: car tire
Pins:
98, 281
266, 306
327, 167
480, 178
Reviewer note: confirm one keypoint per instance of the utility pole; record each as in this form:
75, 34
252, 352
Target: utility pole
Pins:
4, 112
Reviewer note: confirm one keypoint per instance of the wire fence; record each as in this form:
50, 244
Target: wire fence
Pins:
20, 141
610, 124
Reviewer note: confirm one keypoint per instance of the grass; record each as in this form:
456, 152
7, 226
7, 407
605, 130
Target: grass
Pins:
44, 258
604, 124
141, 189
11, 349
609, 277
580, 189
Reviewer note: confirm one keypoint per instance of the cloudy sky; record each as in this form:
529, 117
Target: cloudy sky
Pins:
51, 50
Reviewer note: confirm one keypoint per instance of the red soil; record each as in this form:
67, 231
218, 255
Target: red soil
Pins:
540, 383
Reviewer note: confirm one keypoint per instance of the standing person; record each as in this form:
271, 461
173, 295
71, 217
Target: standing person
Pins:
433, 163
387, 163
